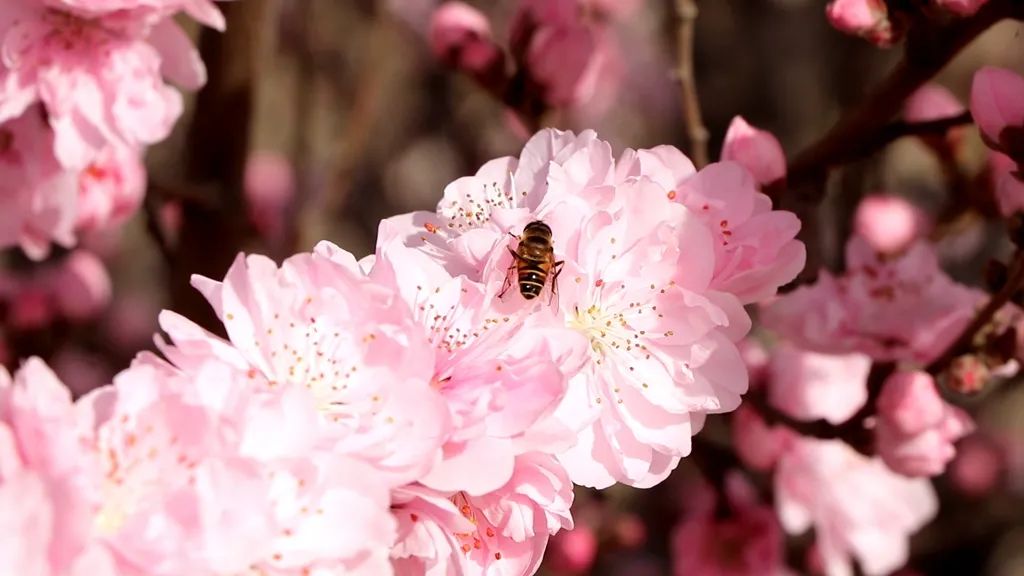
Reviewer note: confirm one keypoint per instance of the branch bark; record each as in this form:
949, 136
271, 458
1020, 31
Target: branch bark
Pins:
927, 51
696, 132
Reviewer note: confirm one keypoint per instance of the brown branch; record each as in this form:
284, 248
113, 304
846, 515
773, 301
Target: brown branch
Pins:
965, 342
900, 129
927, 51
696, 132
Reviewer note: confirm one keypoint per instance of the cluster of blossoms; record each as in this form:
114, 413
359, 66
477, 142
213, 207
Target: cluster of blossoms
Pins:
405, 413
565, 52
82, 93
884, 24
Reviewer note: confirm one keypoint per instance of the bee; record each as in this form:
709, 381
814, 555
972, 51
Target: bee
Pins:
533, 260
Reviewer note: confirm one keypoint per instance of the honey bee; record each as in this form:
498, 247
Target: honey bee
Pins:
533, 260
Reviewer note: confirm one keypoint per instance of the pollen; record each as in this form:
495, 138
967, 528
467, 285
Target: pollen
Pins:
672, 195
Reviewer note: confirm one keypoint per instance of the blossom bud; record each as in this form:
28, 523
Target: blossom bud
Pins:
998, 109
82, 286
756, 150
961, 7
978, 467
758, 445
889, 223
572, 551
269, 190
916, 428
967, 374
868, 19
1007, 183
460, 36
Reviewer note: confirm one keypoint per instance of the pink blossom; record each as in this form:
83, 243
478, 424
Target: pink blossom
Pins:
748, 542
998, 109
916, 428
110, 189
857, 506
1007, 182
962, 7
636, 282
931, 102
81, 286
572, 551
319, 329
811, 386
40, 197
979, 466
756, 150
564, 49
502, 380
48, 517
81, 370
889, 223
757, 444
269, 191
868, 19
460, 36
890, 308
502, 532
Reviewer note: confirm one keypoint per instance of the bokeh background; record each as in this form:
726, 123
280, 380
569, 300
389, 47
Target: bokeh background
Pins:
337, 114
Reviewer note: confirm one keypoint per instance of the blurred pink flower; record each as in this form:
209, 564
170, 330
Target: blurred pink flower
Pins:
81, 286
962, 7
811, 386
890, 308
81, 370
460, 36
998, 109
756, 150
110, 189
31, 308
40, 196
564, 49
979, 466
48, 513
746, 543
269, 191
319, 329
502, 532
889, 223
916, 428
868, 19
573, 551
1007, 182
931, 102
857, 506
757, 444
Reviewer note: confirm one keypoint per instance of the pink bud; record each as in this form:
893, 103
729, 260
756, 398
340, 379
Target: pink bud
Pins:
916, 428
30, 309
978, 467
460, 36
967, 374
756, 150
82, 286
269, 189
961, 7
756, 359
757, 444
889, 223
931, 102
996, 104
868, 19
572, 551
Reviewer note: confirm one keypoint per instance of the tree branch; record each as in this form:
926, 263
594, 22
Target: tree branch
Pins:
965, 342
927, 51
696, 132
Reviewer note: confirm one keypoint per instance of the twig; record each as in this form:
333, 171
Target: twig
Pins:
927, 51
696, 132
965, 342
901, 129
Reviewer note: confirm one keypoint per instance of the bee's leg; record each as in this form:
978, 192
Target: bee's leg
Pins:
554, 280
508, 273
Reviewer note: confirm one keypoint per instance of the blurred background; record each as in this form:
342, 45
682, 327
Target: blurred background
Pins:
324, 116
